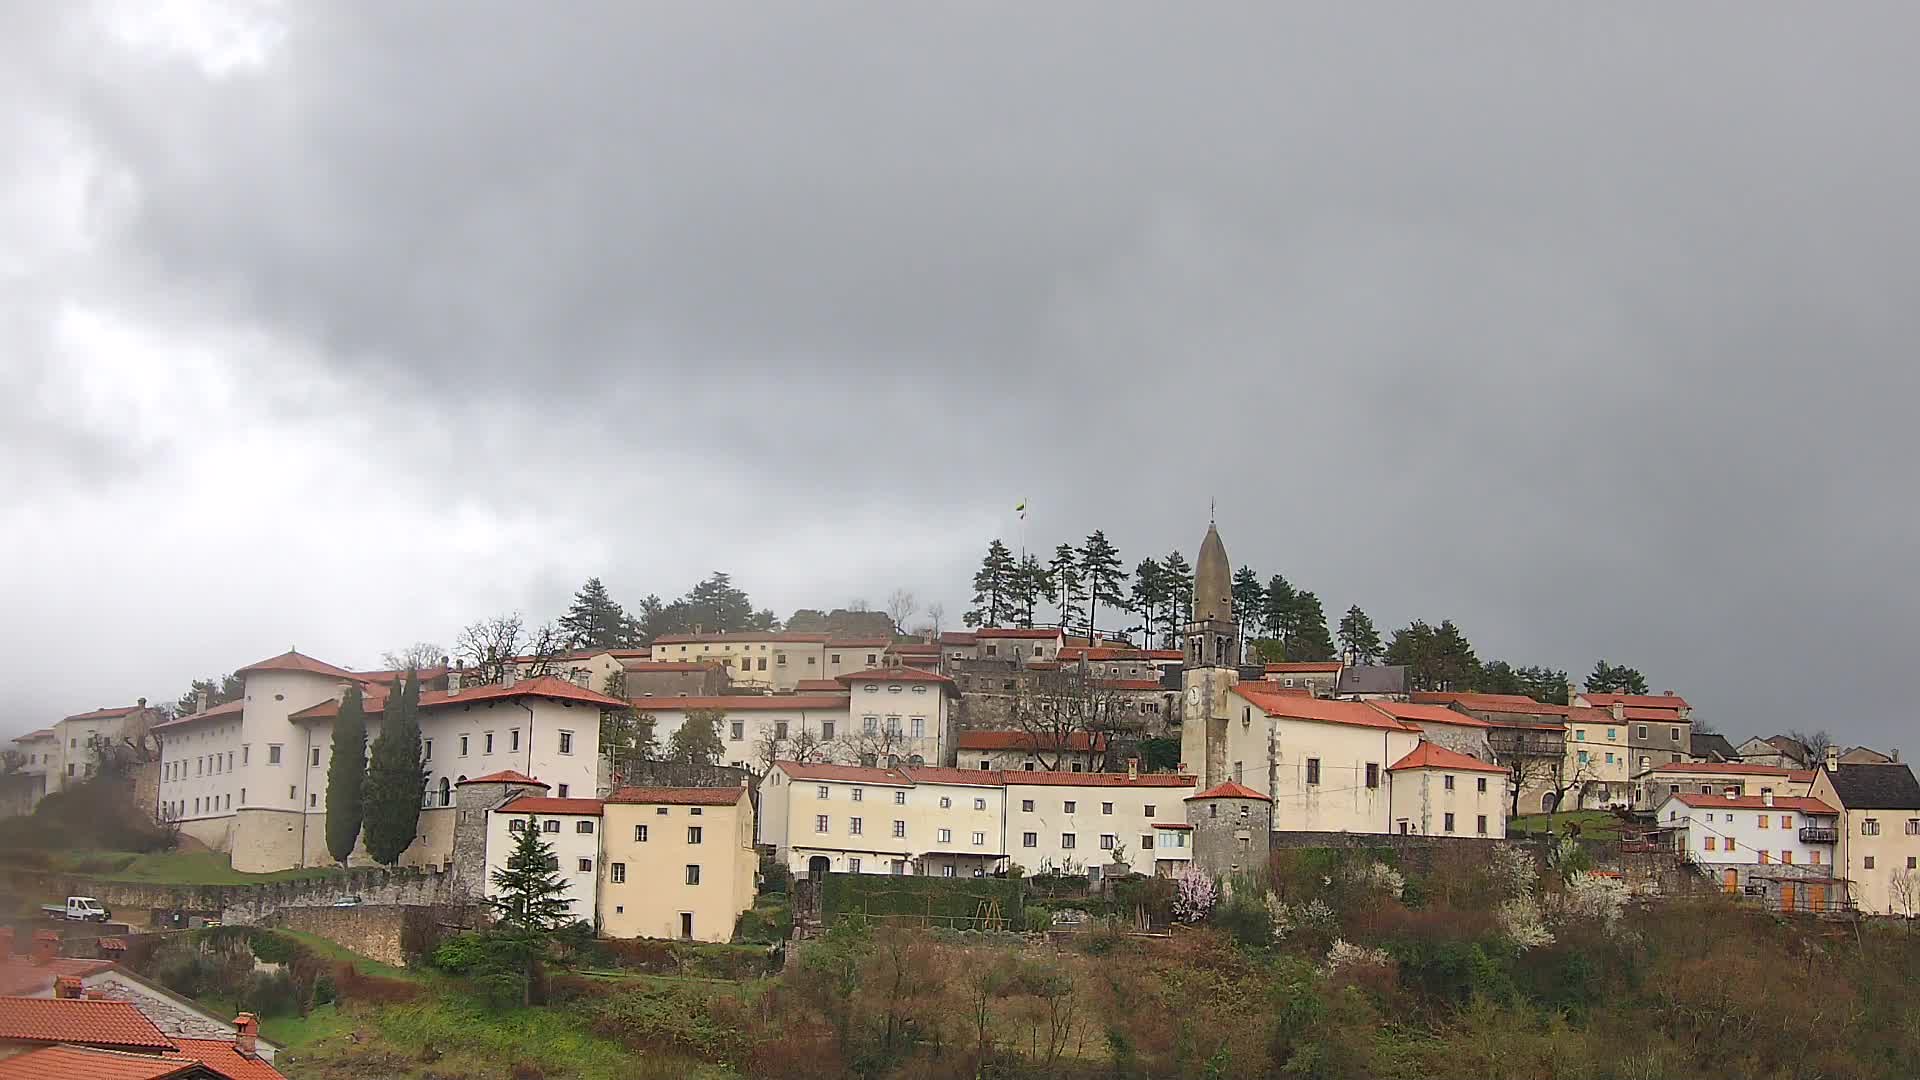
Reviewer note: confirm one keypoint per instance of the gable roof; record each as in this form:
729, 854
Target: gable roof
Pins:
898, 674
1667, 702
104, 713
1276, 702
1706, 743
505, 776
1412, 712
1755, 802
86, 1063
932, 774
43, 733
1232, 789
1875, 787
292, 660
677, 796
21, 976
111, 1024
553, 688
858, 774
1434, 756
1720, 768
540, 804
222, 1056
818, 686
959, 637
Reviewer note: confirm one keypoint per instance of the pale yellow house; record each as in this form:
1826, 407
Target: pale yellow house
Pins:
1878, 849
1441, 792
676, 863
1598, 768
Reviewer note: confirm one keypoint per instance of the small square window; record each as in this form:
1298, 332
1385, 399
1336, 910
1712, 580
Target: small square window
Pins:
1106, 808
822, 792
586, 866
1026, 806
1070, 805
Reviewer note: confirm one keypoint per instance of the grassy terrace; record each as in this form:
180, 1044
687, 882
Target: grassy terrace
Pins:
1594, 824
172, 868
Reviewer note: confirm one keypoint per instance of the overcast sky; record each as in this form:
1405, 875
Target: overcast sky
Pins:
340, 325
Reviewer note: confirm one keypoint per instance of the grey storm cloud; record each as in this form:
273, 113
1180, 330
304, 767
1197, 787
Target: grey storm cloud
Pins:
1589, 329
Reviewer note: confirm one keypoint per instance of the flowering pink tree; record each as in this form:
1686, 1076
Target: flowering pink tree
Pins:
1194, 895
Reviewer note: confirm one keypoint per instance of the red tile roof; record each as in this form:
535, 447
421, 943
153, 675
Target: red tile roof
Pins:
1016, 777
21, 976
1664, 716
1232, 789
222, 1056
644, 666
894, 674
1667, 702
1802, 776
550, 687
297, 661
928, 774
83, 1063
1723, 768
1304, 667
819, 686
1127, 684
859, 774
1320, 710
105, 714
540, 804
1756, 802
1409, 712
1434, 756
43, 733
743, 635
677, 796
1080, 741
916, 648
859, 642
743, 702
1014, 632
111, 1024
505, 776
959, 637
1172, 825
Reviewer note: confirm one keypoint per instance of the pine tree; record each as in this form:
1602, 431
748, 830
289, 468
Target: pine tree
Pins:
346, 777
1279, 615
528, 892
1310, 638
1104, 575
697, 740
1064, 575
1031, 584
1248, 599
1179, 595
595, 621
1615, 679
1149, 594
397, 779
1358, 636
993, 588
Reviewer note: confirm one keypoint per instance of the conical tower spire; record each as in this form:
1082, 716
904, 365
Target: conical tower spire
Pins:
1213, 581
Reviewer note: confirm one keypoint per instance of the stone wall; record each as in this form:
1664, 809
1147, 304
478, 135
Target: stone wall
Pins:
1224, 842
1417, 853
19, 792
391, 934
683, 774
239, 904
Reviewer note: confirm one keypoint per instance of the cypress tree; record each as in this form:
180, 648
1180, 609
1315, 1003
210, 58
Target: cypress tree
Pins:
397, 779
346, 777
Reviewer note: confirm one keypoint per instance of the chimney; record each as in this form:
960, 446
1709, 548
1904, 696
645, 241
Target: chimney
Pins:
67, 986
510, 673
246, 1035
202, 702
46, 946
1766, 797
1133, 768
141, 703
1669, 693
1833, 759
1733, 793
453, 680
1619, 712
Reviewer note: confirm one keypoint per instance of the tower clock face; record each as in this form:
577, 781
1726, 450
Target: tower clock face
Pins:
1193, 696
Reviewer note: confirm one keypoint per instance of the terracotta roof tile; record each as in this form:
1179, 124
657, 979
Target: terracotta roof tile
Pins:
857, 774
540, 804
1232, 789
1434, 756
1756, 802
916, 648
677, 796
110, 1024
550, 687
1320, 710
743, 702
105, 714
819, 686
894, 674
43, 733
83, 1063
21, 976
928, 774
1017, 778
505, 776
1409, 712
1667, 702
959, 637
297, 661
223, 1056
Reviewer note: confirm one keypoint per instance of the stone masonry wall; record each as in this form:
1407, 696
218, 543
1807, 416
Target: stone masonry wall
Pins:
385, 933
238, 904
1417, 853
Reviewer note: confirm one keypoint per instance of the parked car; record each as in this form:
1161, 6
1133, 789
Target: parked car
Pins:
347, 901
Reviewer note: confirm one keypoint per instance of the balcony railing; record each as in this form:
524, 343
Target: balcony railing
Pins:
1813, 835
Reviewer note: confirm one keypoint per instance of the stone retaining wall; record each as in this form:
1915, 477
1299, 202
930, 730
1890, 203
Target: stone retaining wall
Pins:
239, 904
391, 934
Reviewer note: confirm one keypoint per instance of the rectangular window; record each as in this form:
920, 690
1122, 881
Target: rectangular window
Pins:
945, 836
313, 800
246, 753
1763, 855
899, 829
859, 794
1106, 808
1448, 826
853, 864
836, 659
1480, 825
584, 828
515, 825
273, 754
426, 749
693, 834
946, 802
979, 804
1480, 785
660, 811
1146, 843
870, 724
566, 742
1786, 821
1763, 821
1786, 857
1373, 774
822, 792
1814, 857
979, 839
692, 811
947, 870
1870, 827
586, 866
1711, 843
899, 798
513, 738
1448, 782
562, 792
1066, 841
1866, 862
826, 731
639, 834
487, 743
1913, 826
1069, 806
893, 725
1107, 841
1149, 810
738, 730
463, 745
693, 874
780, 729
1313, 770
854, 825
551, 825
820, 823
1026, 806
617, 873
314, 762
1030, 839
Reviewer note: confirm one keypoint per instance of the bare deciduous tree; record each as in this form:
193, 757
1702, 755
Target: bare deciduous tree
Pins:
900, 607
1056, 709
1816, 743
489, 645
419, 656
936, 617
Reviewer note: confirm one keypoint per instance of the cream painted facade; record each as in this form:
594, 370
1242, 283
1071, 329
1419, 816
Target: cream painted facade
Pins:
776, 661
1878, 851
571, 831
646, 888
1598, 766
1323, 776
961, 822
1439, 801
748, 720
911, 717
67, 757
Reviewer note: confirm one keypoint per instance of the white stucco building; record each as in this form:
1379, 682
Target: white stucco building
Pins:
1735, 838
1441, 792
570, 827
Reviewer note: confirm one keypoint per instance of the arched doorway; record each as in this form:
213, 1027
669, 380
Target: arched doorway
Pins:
818, 866
446, 792
1549, 802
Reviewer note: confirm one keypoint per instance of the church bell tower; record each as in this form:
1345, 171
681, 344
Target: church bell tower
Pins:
1212, 642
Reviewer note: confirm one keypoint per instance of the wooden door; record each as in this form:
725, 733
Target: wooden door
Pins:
1787, 897
1730, 880
1816, 898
